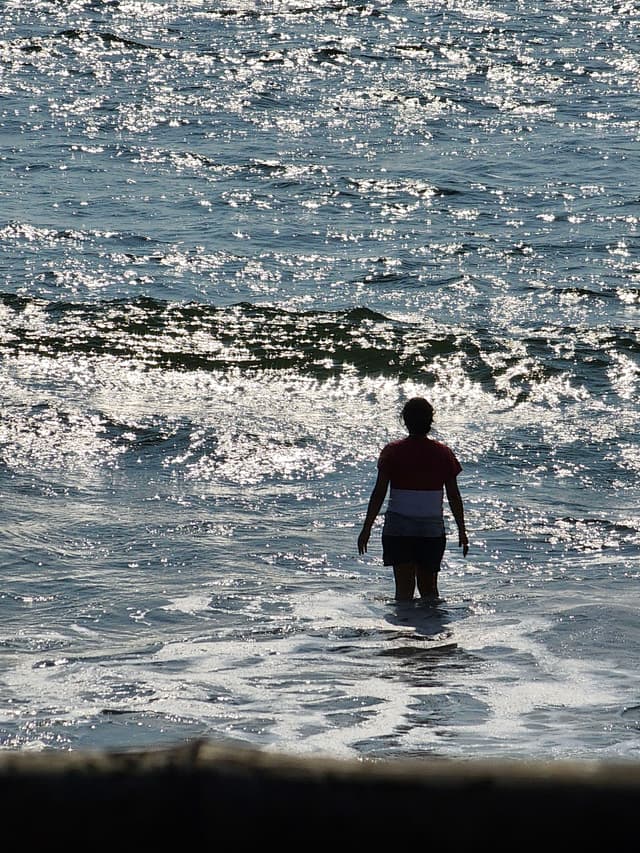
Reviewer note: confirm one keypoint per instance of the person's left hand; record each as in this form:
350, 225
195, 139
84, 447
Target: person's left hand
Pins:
363, 540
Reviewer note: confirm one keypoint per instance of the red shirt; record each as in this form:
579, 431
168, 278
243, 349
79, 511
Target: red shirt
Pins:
418, 463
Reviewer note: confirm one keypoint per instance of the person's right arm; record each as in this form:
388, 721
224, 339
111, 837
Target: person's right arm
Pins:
455, 502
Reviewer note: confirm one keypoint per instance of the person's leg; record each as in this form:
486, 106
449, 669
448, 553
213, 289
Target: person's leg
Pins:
405, 575
428, 566
427, 583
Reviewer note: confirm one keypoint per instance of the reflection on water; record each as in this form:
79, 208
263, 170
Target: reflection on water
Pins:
426, 617
423, 630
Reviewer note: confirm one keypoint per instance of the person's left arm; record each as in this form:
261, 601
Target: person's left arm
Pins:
375, 505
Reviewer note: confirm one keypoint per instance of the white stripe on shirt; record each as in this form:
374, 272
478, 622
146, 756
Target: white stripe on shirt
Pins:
413, 502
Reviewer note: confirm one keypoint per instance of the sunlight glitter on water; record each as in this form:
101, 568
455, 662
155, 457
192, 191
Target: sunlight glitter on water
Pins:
237, 238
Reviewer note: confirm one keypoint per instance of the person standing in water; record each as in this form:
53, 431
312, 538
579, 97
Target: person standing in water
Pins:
419, 470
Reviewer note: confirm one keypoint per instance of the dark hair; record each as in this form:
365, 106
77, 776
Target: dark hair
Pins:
417, 414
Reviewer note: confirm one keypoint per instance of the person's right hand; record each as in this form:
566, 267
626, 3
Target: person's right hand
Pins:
463, 542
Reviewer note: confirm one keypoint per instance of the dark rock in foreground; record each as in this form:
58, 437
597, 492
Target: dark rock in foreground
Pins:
207, 794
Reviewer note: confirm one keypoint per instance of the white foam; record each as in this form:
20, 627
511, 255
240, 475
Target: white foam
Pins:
193, 603
344, 669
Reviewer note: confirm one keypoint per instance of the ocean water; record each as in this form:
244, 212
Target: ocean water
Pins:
235, 237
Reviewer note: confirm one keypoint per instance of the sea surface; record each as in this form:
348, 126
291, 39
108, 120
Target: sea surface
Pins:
234, 239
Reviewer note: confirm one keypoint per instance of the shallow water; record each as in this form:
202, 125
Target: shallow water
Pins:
234, 240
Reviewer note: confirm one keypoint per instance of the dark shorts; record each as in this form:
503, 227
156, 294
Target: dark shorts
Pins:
427, 552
